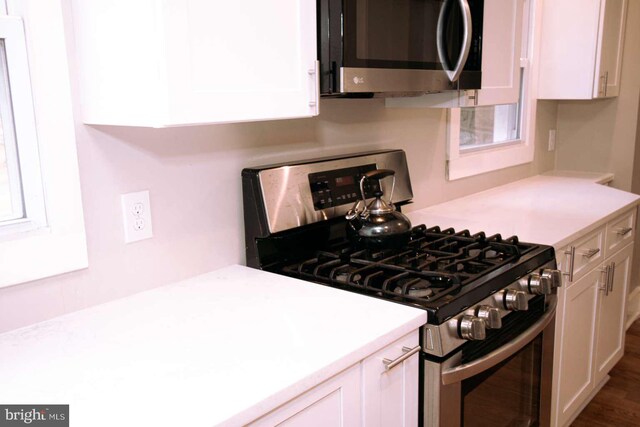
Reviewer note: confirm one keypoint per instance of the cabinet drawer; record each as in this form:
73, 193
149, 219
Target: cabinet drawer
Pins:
589, 252
620, 231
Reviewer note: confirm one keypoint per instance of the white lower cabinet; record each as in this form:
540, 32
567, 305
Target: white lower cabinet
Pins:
366, 394
576, 345
335, 403
390, 396
590, 320
612, 315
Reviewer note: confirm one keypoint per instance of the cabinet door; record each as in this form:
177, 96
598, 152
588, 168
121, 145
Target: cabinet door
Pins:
238, 61
612, 315
334, 403
176, 62
610, 44
586, 63
501, 52
575, 370
391, 396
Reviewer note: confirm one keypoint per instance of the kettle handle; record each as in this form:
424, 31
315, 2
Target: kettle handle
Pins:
378, 174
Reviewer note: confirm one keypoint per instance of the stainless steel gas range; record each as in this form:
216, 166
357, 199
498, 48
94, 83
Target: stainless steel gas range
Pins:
487, 348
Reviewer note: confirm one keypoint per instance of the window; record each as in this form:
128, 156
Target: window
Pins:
21, 198
486, 127
498, 133
41, 222
492, 126
8, 210
11, 204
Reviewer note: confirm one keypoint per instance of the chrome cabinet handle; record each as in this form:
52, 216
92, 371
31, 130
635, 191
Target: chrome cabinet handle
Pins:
313, 73
607, 274
612, 270
572, 256
591, 253
623, 231
408, 352
606, 82
466, 39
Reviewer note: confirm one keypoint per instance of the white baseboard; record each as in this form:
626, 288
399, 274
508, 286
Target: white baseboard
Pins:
633, 307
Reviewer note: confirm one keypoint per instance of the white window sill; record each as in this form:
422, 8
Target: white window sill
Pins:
477, 162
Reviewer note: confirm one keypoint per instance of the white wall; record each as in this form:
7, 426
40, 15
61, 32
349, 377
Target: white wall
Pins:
193, 175
600, 135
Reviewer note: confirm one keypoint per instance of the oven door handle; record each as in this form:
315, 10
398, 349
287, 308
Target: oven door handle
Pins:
462, 372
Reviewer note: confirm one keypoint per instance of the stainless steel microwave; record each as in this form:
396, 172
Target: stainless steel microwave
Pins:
384, 47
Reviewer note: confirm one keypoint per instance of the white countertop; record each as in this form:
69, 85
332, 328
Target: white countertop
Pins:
225, 347
231, 345
550, 210
597, 177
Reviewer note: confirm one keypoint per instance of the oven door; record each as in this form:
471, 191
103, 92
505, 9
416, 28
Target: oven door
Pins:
505, 381
411, 45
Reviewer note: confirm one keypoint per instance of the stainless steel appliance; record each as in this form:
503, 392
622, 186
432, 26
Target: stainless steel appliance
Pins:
369, 47
487, 348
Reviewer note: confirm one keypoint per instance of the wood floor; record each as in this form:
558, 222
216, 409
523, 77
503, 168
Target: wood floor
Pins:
618, 403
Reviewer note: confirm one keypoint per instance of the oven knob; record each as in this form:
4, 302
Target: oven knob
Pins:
515, 300
490, 315
471, 328
553, 276
537, 285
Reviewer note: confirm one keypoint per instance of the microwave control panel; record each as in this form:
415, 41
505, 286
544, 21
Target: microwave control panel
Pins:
341, 186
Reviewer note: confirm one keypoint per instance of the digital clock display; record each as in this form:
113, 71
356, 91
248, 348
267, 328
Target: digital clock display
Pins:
344, 180
340, 186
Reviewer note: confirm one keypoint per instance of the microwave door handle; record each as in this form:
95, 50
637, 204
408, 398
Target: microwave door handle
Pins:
454, 74
440, 37
462, 372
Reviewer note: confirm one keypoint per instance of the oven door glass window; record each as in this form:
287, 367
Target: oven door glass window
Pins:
508, 394
404, 33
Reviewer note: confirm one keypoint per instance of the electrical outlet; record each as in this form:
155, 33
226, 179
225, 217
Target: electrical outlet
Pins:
138, 209
136, 214
552, 139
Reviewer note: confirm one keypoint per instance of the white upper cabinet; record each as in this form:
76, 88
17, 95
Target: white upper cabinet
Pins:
179, 62
581, 48
501, 51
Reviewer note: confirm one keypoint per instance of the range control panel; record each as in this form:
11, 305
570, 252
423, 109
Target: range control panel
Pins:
341, 186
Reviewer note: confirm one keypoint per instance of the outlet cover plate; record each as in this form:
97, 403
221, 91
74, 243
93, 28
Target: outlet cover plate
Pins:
136, 215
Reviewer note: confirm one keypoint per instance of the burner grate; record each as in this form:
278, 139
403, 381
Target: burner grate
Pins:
434, 266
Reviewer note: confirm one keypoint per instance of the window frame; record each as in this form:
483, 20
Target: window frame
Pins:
59, 245
19, 124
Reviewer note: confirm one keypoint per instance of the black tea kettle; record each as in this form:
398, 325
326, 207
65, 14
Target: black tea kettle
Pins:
378, 225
